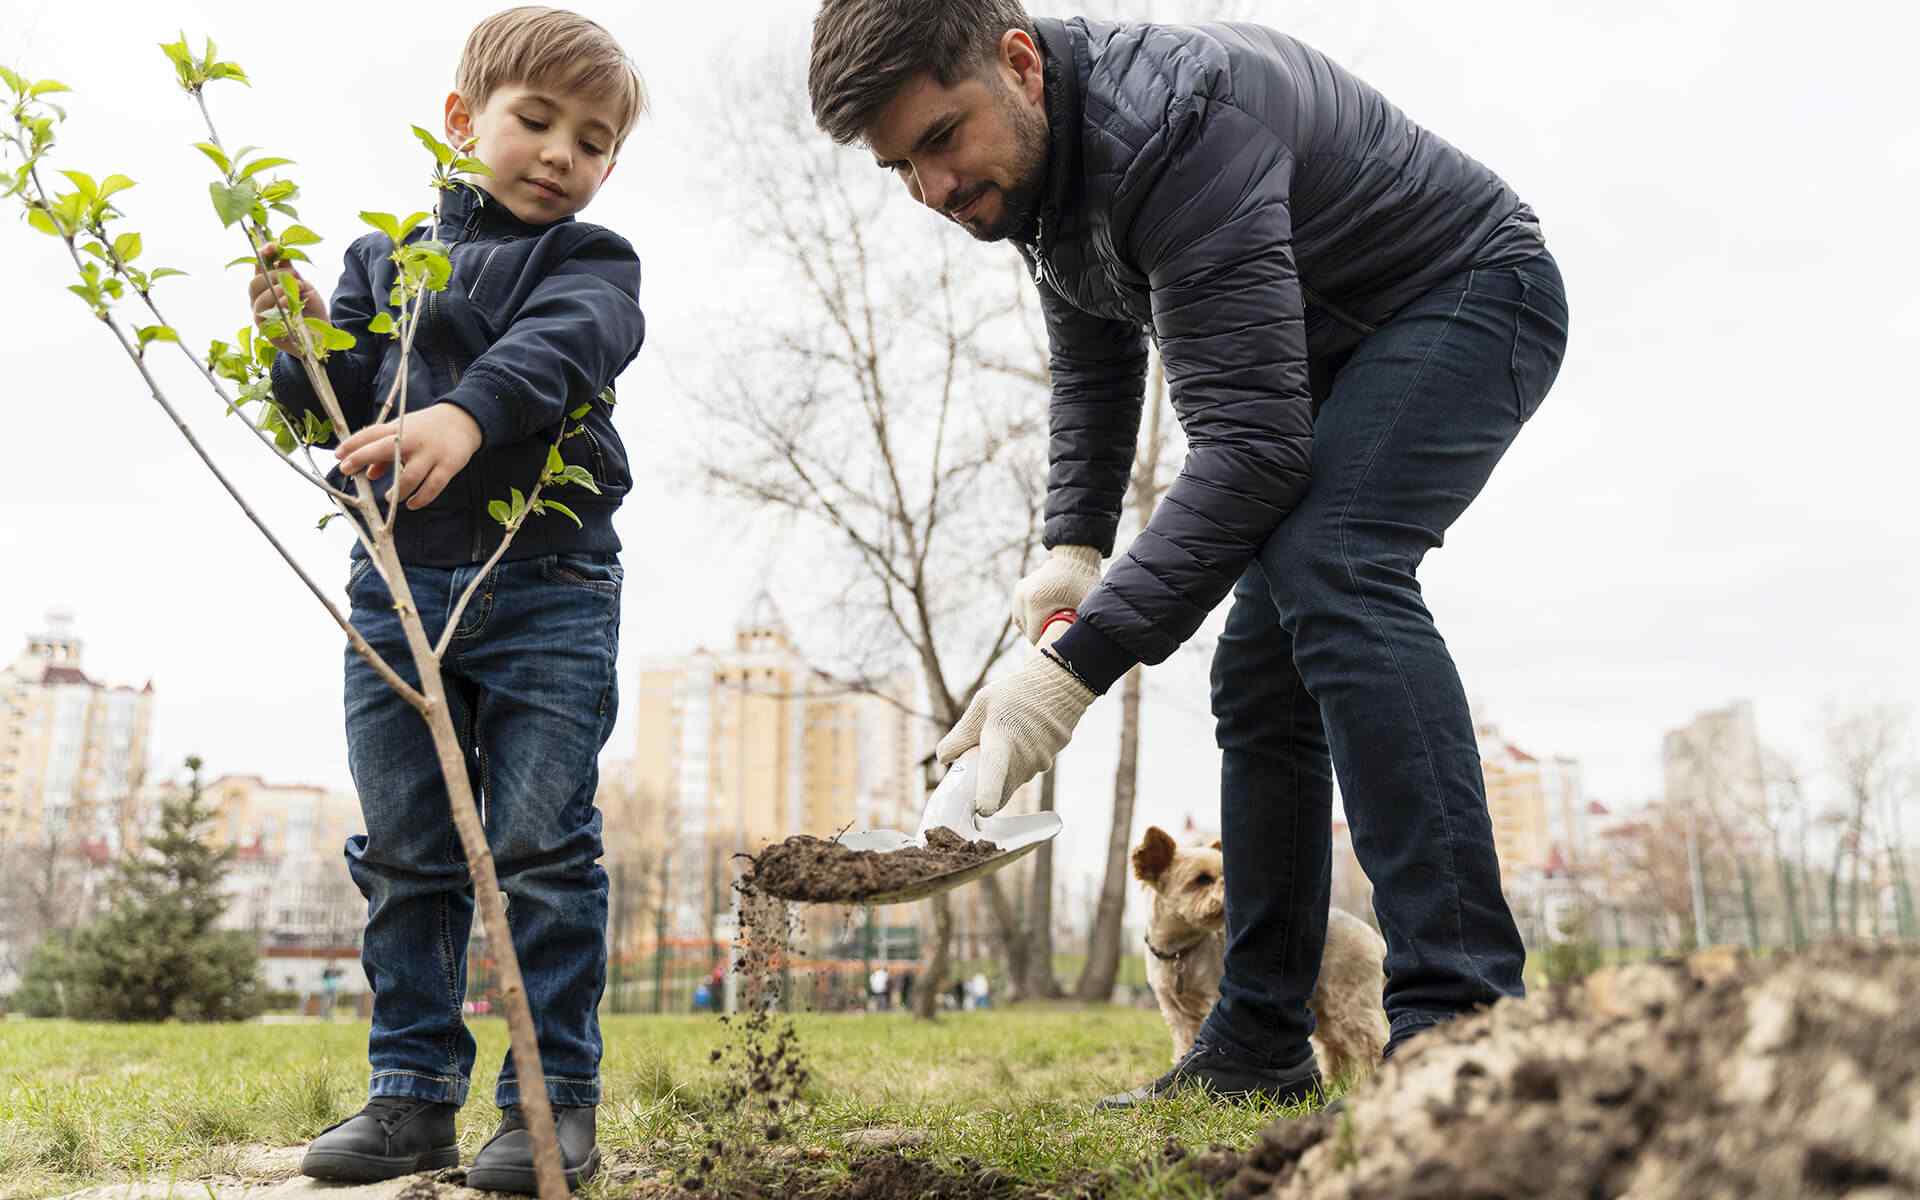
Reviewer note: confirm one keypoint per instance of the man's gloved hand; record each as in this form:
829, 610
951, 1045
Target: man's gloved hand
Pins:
1061, 582
1019, 723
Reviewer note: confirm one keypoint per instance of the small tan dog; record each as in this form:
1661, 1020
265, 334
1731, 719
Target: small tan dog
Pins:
1186, 954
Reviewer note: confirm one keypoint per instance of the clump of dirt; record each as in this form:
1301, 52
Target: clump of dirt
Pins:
1715, 1077
815, 870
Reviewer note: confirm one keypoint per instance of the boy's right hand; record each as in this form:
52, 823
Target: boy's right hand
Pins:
265, 294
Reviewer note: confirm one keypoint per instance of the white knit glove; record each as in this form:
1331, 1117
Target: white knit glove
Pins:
1061, 582
1019, 723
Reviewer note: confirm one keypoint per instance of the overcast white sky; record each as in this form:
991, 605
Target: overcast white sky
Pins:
1716, 501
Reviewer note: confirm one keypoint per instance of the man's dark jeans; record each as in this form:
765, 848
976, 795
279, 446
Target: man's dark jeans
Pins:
530, 685
1330, 659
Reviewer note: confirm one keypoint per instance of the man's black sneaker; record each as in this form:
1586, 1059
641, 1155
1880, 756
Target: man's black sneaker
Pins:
392, 1136
1227, 1076
505, 1163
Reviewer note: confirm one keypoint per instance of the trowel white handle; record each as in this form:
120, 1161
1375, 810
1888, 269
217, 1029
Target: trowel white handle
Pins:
951, 805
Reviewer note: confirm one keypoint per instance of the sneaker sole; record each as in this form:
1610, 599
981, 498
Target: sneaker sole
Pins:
521, 1179
345, 1166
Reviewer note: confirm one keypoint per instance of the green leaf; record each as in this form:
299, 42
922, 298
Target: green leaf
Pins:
562, 509
16, 83
126, 247
114, 183
42, 220
262, 164
284, 209
381, 323
499, 511
519, 503
298, 235
159, 273
218, 156
231, 203
554, 463
227, 70
410, 224
385, 222
471, 166
607, 397
46, 87
89, 190
442, 153
156, 333
582, 411
323, 520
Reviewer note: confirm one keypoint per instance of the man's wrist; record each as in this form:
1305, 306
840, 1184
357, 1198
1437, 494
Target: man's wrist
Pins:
1092, 657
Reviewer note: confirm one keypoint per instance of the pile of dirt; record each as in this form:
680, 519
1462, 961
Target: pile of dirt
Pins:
814, 870
1716, 1077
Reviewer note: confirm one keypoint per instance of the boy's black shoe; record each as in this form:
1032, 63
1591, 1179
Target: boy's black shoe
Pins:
392, 1136
1227, 1076
505, 1163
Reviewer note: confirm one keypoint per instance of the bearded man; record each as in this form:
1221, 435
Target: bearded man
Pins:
1356, 319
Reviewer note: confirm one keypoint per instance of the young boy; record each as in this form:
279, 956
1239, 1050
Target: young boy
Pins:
541, 315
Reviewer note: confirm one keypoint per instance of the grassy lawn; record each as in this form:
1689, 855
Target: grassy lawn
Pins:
84, 1103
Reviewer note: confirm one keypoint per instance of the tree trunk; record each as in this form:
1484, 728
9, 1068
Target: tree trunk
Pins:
933, 981
1009, 935
1796, 927
1041, 984
1749, 904
1103, 948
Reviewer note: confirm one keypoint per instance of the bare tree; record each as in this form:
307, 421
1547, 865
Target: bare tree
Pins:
860, 413
1868, 751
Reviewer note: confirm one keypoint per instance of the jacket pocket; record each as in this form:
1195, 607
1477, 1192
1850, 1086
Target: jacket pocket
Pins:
1539, 343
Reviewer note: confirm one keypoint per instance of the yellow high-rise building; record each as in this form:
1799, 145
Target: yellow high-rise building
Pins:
742, 747
73, 751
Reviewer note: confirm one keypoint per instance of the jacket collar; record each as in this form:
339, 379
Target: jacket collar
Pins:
466, 212
1061, 75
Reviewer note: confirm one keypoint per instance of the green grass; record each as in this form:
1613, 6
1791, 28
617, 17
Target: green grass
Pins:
86, 1103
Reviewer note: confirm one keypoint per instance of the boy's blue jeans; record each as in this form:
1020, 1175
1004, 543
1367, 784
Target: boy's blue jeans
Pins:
531, 689
1330, 663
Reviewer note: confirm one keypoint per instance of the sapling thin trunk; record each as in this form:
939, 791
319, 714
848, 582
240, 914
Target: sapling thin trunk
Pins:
244, 197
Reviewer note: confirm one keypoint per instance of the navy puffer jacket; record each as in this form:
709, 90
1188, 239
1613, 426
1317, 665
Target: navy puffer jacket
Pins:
1252, 204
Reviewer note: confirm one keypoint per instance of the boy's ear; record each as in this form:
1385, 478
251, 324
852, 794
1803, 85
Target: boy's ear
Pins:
459, 120
1217, 845
1153, 855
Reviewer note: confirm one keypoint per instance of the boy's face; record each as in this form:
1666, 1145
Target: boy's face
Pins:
550, 149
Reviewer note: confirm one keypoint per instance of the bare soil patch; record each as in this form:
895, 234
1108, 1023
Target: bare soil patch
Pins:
1794, 1078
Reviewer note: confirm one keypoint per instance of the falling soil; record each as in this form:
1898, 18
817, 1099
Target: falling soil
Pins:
1716, 1077
761, 1061
813, 870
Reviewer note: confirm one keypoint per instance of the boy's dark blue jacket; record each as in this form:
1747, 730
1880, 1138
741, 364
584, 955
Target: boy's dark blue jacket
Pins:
537, 320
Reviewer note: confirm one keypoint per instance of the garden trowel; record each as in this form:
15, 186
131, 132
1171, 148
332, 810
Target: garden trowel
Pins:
951, 807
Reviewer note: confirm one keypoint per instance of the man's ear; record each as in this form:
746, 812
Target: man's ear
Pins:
1021, 59
459, 120
1153, 855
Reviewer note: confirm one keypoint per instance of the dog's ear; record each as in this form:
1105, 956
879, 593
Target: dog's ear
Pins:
1153, 855
1217, 845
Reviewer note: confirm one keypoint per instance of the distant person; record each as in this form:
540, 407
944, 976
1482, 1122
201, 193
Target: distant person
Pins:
980, 990
877, 987
542, 314
329, 989
1356, 319
906, 989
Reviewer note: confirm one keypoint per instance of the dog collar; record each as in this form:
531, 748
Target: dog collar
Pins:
1176, 955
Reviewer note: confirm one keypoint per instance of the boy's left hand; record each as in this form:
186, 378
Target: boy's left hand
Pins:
437, 444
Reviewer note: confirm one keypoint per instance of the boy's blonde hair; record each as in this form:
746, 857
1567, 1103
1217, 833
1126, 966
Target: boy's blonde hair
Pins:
536, 45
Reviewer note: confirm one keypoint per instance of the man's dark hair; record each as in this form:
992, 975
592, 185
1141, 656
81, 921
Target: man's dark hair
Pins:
864, 50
